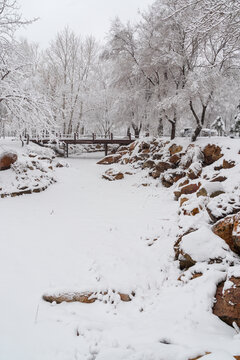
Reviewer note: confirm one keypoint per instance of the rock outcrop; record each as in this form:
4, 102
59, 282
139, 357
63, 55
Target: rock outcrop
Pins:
7, 159
211, 154
229, 230
227, 304
86, 297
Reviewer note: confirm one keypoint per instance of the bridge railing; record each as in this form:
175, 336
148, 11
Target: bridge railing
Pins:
76, 136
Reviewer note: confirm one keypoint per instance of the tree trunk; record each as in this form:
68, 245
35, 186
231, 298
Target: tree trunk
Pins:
200, 121
196, 132
137, 130
160, 127
173, 130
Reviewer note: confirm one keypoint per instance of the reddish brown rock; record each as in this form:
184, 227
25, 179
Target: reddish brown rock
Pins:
135, 159
157, 156
202, 192
236, 233
190, 189
162, 166
125, 161
175, 149
144, 146
211, 154
177, 194
200, 356
111, 159
148, 164
228, 164
192, 212
145, 151
7, 159
175, 159
185, 182
59, 165
185, 260
216, 193
227, 305
111, 175
83, 297
194, 171
172, 177
183, 200
196, 275
228, 230
219, 179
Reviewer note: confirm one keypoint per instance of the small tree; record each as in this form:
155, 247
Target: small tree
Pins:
235, 128
219, 126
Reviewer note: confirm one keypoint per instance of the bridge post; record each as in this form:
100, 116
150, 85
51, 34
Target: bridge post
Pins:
75, 137
106, 149
130, 137
111, 136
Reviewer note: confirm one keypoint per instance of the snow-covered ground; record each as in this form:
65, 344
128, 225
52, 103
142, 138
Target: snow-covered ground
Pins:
87, 234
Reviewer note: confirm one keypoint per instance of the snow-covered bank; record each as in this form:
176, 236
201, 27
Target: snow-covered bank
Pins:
87, 234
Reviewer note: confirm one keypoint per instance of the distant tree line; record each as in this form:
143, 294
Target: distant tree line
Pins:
177, 67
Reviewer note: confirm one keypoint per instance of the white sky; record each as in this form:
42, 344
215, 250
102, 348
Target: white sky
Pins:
85, 17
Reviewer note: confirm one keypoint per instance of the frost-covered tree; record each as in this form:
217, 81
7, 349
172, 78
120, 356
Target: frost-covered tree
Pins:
67, 71
219, 126
22, 106
235, 128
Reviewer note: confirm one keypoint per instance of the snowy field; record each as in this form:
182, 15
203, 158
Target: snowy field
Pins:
87, 234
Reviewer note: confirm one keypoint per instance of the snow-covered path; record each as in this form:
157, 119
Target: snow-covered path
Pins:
85, 233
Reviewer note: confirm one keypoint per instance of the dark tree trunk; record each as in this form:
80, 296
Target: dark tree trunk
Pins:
137, 130
196, 132
173, 130
200, 121
160, 127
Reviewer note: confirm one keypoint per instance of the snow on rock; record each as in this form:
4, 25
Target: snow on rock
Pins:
229, 230
211, 154
7, 159
227, 305
110, 296
223, 205
30, 170
203, 245
112, 175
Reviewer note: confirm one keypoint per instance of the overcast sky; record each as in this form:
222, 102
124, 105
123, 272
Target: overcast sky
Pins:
83, 16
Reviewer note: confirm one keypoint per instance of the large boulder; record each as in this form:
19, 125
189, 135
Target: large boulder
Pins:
229, 230
223, 205
227, 305
7, 159
193, 155
211, 154
199, 246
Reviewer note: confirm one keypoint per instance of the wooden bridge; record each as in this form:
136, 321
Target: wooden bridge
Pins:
75, 139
